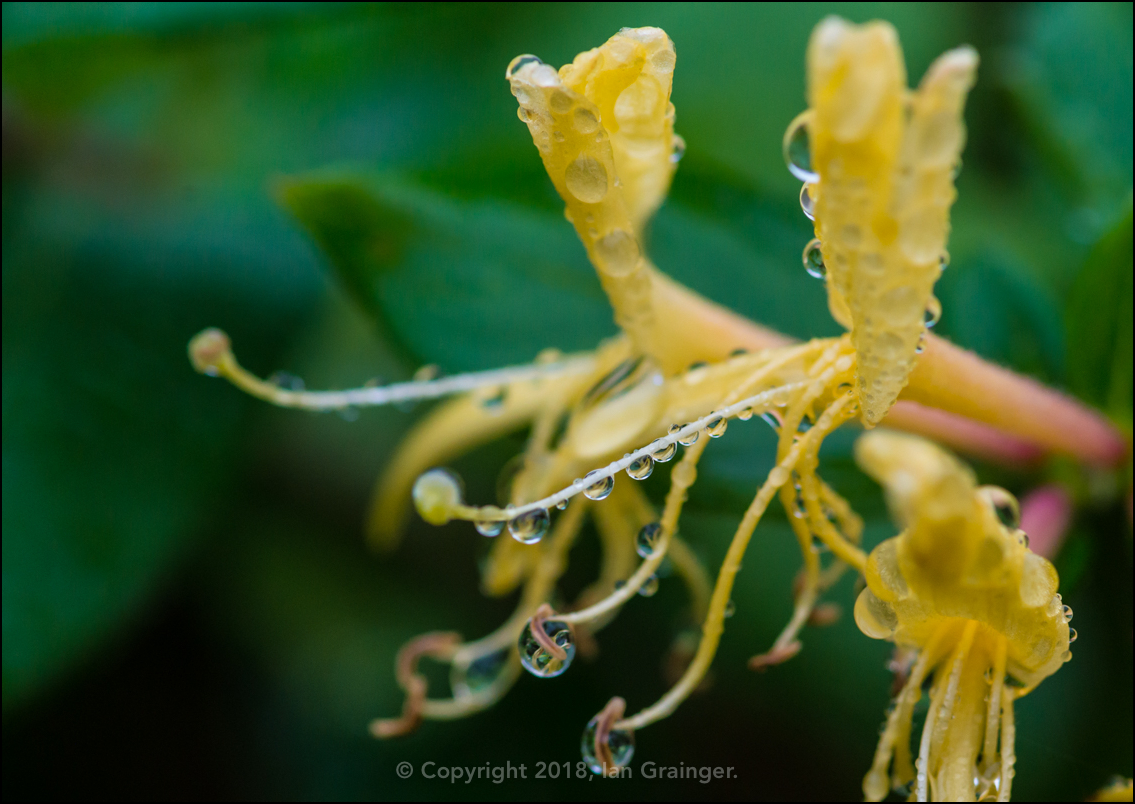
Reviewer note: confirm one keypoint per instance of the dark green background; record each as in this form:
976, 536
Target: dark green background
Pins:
188, 605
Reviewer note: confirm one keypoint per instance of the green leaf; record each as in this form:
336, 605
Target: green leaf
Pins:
115, 450
1099, 323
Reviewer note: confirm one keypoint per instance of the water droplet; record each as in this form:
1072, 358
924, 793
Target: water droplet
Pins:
349, 413
560, 102
494, 403
480, 673
1067, 614
943, 261
1066, 656
617, 252
516, 64
536, 659
649, 587
585, 121
745, 414
664, 454
739, 352
679, 149
773, 420
797, 149
427, 373
285, 381
689, 439
1022, 538
641, 468
489, 528
618, 750
598, 489
561, 505
844, 388
933, 312
1072, 635
530, 527
1004, 505
805, 424
647, 539
614, 380
808, 201
619, 585
586, 179
798, 509
696, 366
715, 428
814, 259
730, 609
920, 347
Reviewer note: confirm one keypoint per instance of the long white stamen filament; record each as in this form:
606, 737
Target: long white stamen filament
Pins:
757, 402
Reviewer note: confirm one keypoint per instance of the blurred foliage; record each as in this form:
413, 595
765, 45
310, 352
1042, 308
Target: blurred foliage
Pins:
183, 569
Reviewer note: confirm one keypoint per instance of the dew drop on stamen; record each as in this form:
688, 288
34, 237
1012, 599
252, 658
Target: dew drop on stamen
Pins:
585, 121
1067, 614
689, 439
536, 660
620, 746
814, 259
647, 539
641, 468
745, 414
494, 403
808, 202
561, 505
286, 382
664, 454
598, 489
529, 527
921, 346
649, 587
797, 149
1072, 635
715, 428
490, 528
943, 261
730, 609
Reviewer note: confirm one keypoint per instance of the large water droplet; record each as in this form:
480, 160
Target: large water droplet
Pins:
536, 659
715, 427
480, 673
808, 201
641, 468
490, 528
679, 149
687, 440
1072, 635
1067, 614
530, 527
647, 539
797, 148
619, 749
585, 121
586, 179
664, 454
1004, 505
933, 312
649, 587
597, 489
560, 102
516, 64
617, 252
814, 259
745, 414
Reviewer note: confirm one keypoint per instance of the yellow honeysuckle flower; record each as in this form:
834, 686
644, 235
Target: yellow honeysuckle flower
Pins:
878, 164
961, 587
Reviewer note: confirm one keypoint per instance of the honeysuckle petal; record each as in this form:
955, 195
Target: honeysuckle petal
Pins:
884, 158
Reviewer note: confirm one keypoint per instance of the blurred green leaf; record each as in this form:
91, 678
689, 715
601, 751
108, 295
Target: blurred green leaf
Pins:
1099, 323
